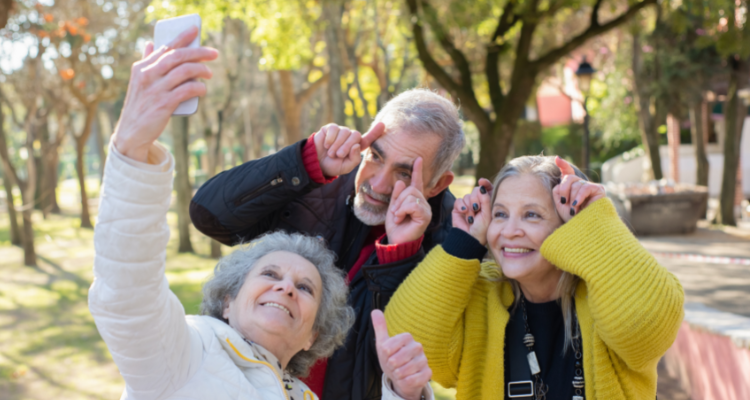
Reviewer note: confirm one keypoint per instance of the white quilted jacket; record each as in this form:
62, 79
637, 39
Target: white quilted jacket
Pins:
161, 353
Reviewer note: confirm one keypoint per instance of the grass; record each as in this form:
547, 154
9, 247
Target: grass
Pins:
49, 344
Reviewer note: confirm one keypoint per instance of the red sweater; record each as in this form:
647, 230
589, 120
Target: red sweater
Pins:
386, 254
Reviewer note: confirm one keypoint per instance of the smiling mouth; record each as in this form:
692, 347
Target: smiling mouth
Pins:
279, 306
516, 250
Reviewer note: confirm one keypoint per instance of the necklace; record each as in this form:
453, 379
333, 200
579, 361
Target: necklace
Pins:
540, 388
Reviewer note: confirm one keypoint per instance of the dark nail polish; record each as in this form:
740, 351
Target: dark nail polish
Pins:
471, 220
572, 211
475, 206
562, 200
463, 208
575, 202
482, 190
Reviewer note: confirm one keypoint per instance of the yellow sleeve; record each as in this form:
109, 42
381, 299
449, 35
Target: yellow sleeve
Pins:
430, 305
636, 304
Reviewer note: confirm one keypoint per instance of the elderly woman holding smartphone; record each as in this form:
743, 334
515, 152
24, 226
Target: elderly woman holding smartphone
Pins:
571, 307
271, 309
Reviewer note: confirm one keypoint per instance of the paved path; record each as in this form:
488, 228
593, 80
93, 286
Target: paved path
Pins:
722, 283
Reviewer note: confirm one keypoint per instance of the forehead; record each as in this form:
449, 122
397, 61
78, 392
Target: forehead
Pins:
401, 146
520, 190
289, 261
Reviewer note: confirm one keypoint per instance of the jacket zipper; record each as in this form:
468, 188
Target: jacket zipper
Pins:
274, 182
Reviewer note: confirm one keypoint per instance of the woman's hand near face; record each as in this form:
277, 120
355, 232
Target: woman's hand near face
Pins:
573, 194
473, 213
163, 79
402, 360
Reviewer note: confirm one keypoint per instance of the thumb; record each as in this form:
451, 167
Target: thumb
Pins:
564, 166
379, 326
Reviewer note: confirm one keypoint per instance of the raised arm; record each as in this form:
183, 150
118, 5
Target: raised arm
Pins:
140, 319
635, 302
241, 203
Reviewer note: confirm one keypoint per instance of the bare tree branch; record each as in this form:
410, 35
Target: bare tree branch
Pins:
507, 20
593, 30
304, 95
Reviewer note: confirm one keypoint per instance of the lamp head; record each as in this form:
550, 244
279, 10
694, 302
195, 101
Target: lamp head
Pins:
584, 73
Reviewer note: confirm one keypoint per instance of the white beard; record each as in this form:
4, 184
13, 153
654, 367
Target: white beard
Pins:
367, 213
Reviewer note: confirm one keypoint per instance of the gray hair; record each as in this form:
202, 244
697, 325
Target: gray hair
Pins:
424, 111
545, 169
334, 317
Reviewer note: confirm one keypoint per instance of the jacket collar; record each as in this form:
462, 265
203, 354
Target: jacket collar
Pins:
248, 356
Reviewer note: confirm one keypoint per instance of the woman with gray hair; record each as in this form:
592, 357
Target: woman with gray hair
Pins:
570, 306
272, 308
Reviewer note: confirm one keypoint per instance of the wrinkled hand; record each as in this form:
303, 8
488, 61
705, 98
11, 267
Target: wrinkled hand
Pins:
163, 79
339, 148
473, 213
409, 214
402, 360
573, 194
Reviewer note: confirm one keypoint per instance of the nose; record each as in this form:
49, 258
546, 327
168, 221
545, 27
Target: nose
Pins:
512, 229
381, 183
285, 287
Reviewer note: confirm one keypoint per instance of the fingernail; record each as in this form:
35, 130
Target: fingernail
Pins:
572, 211
463, 208
562, 200
574, 203
475, 206
482, 190
471, 220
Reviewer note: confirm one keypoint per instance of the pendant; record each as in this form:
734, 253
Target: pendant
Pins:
533, 363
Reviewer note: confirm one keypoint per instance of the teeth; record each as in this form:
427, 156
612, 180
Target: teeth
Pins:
516, 250
279, 306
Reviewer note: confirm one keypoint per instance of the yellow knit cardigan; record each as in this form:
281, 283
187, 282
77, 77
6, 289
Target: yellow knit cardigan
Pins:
629, 309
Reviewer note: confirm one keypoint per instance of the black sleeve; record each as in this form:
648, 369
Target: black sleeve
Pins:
244, 202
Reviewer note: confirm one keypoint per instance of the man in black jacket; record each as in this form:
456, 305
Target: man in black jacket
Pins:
371, 212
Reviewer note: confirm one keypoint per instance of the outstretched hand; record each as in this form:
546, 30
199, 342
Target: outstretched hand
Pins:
163, 79
573, 194
402, 359
473, 213
409, 213
339, 148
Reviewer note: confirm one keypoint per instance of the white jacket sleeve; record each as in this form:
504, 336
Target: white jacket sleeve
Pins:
140, 319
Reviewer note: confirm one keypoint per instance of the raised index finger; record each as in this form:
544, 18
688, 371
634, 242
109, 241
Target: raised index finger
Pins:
372, 135
416, 175
564, 166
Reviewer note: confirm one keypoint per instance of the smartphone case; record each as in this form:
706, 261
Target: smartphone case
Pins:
165, 32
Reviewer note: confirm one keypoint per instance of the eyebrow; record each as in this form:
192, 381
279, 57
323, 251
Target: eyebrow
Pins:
398, 165
525, 205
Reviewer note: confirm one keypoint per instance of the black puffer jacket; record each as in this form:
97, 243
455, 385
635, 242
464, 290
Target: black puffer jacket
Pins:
276, 193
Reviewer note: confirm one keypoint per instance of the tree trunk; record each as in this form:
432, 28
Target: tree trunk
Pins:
182, 185
332, 13
734, 121
697, 126
80, 146
673, 140
27, 237
647, 122
213, 144
28, 189
8, 182
51, 162
292, 110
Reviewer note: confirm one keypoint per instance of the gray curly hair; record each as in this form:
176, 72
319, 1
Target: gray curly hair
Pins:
334, 317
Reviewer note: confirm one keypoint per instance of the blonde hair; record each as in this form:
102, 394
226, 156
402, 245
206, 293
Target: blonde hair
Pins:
545, 169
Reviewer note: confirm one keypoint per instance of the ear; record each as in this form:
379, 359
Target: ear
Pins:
445, 180
225, 312
313, 338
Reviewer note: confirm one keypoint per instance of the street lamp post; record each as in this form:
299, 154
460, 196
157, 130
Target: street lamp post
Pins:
584, 73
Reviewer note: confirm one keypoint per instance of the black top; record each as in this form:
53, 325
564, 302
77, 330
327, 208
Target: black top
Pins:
547, 326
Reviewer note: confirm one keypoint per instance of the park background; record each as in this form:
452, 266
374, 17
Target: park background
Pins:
644, 91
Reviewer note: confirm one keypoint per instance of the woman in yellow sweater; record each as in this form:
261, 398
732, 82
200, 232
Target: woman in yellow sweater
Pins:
572, 307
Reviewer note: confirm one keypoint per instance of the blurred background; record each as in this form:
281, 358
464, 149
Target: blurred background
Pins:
649, 97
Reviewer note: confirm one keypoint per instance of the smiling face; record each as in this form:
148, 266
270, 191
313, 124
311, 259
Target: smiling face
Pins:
523, 215
388, 160
277, 305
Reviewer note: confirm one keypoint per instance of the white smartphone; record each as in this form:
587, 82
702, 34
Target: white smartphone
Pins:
165, 32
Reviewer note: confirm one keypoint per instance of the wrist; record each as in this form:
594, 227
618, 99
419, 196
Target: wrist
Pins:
129, 149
